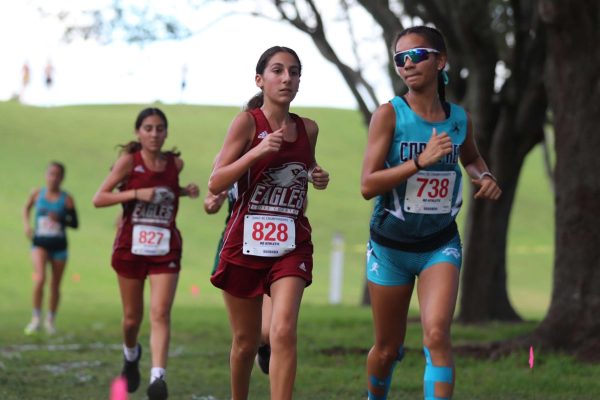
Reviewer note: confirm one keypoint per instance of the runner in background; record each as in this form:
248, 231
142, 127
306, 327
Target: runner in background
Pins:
148, 243
54, 212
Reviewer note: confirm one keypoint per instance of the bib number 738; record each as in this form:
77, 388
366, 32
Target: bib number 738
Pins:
268, 235
430, 192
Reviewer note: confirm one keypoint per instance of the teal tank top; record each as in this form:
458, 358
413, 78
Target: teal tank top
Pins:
426, 205
48, 232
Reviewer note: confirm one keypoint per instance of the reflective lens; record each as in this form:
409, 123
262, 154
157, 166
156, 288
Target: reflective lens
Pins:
416, 55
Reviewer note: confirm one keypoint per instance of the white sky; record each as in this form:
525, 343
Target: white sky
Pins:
220, 63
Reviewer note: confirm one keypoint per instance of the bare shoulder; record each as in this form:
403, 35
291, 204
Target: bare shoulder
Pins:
383, 120
244, 120
33, 195
385, 111
242, 128
70, 201
123, 165
179, 163
311, 126
124, 159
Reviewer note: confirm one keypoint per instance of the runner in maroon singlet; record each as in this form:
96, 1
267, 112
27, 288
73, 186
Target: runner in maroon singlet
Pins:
148, 242
267, 248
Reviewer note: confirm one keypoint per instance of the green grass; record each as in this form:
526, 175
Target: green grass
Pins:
332, 339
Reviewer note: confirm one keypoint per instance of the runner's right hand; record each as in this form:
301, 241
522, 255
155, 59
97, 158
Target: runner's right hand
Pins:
438, 147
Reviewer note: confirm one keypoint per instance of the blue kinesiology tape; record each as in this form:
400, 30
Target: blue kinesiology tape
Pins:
434, 374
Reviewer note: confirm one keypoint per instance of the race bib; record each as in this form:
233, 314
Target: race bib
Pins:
150, 240
430, 192
268, 235
46, 226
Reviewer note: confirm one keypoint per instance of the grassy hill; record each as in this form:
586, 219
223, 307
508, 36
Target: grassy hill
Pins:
84, 138
81, 360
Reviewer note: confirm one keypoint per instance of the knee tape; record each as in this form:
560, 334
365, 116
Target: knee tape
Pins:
434, 374
385, 383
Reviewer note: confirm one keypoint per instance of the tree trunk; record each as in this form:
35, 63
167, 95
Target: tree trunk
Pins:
573, 82
484, 295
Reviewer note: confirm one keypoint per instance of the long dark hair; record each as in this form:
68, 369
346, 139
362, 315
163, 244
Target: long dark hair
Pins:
258, 99
435, 40
134, 145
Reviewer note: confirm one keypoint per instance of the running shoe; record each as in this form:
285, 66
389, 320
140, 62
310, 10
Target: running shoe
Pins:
32, 327
262, 358
131, 371
49, 327
157, 390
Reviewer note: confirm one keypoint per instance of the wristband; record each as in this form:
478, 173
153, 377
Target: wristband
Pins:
415, 159
487, 173
135, 194
310, 172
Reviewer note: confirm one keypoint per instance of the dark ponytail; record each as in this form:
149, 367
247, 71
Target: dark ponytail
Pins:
255, 102
435, 40
441, 86
130, 148
258, 99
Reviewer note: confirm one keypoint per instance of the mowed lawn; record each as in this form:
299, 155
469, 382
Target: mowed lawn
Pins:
82, 358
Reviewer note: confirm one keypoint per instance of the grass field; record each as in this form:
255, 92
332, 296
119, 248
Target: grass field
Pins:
80, 361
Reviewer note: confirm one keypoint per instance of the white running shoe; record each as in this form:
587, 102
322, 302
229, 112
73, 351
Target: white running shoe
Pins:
49, 327
32, 327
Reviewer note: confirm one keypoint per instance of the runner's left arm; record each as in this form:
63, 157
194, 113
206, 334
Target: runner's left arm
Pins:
70, 218
316, 174
477, 168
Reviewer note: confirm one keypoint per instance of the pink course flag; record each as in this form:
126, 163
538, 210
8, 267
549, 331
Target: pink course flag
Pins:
531, 358
118, 389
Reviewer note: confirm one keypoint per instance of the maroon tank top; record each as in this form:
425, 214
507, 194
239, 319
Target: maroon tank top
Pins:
273, 189
154, 218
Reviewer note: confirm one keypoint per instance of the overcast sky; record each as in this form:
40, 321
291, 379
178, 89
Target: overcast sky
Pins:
220, 64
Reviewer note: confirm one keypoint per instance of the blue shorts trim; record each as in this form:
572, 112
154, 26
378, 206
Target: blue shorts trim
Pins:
391, 267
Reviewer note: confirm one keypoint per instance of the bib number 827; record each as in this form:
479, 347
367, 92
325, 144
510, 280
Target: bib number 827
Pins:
269, 232
150, 237
437, 187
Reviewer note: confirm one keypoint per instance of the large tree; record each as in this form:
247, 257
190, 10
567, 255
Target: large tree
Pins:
573, 83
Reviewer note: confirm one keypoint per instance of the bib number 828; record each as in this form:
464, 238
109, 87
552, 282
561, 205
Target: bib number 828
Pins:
437, 187
269, 232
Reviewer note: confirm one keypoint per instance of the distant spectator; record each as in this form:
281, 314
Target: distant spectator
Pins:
26, 76
184, 71
49, 74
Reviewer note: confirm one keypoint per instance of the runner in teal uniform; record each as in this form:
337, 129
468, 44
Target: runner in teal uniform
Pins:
411, 167
54, 211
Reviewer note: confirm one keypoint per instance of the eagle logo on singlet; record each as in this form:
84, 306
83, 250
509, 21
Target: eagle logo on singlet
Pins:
159, 211
281, 191
289, 175
163, 195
